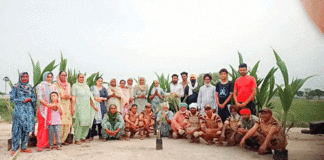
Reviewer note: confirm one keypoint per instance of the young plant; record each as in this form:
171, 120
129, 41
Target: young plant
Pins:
288, 91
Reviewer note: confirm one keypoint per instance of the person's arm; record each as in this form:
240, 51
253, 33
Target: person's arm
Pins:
199, 101
141, 117
251, 97
152, 96
174, 121
136, 121
121, 120
226, 123
127, 119
105, 123
14, 97
235, 91
181, 92
60, 108
146, 91
169, 117
213, 103
249, 133
253, 88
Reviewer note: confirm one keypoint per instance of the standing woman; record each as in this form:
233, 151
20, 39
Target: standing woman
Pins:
115, 96
156, 95
64, 90
141, 93
44, 90
100, 96
126, 96
22, 94
84, 110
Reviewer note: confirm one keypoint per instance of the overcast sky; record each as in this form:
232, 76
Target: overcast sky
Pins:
137, 38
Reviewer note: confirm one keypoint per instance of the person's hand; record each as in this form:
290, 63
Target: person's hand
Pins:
104, 99
114, 95
262, 149
130, 100
146, 121
243, 104
96, 109
214, 110
242, 143
221, 106
72, 112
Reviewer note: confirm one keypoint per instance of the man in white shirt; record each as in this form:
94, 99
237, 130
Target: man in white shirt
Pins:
206, 95
175, 88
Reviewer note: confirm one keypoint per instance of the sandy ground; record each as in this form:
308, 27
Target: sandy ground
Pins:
300, 146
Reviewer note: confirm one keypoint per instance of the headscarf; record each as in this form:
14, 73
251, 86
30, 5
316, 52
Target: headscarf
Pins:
24, 87
140, 86
118, 92
84, 86
165, 104
64, 85
158, 88
112, 117
184, 105
46, 112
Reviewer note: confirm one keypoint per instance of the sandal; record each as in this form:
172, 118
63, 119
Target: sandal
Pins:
39, 149
78, 142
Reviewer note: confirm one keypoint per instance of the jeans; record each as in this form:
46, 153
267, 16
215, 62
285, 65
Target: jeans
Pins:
54, 130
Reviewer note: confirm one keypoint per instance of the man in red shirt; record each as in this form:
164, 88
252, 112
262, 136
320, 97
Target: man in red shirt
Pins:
245, 90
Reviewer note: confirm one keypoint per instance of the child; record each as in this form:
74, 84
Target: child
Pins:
54, 127
224, 93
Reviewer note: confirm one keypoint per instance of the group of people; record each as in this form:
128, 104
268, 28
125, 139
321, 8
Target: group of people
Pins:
120, 112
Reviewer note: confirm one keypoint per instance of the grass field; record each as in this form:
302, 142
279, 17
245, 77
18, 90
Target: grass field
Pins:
304, 111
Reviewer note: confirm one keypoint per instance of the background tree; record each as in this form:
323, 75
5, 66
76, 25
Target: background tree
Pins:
300, 93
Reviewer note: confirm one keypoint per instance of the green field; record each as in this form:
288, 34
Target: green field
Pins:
304, 111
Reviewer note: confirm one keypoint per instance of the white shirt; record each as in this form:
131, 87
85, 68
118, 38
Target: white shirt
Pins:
206, 96
178, 89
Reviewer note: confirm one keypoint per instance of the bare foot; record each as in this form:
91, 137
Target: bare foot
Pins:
26, 150
12, 153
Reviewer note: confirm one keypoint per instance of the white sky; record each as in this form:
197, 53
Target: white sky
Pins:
137, 38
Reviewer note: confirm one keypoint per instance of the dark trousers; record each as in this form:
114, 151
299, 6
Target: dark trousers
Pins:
93, 132
251, 106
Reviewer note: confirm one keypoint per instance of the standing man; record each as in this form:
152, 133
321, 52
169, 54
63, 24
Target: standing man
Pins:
191, 90
130, 90
245, 90
207, 95
184, 83
175, 88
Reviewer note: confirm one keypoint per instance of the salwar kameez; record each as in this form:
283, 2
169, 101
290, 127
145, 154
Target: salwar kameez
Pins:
23, 115
106, 124
66, 118
44, 90
84, 113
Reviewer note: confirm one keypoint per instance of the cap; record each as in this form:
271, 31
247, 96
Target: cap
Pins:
193, 105
267, 110
207, 106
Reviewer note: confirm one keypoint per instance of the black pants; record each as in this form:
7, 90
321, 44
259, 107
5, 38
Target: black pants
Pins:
93, 132
250, 106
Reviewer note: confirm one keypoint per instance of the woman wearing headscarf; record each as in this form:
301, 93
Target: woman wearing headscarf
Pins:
113, 124
126, 96
156, 95
163, 119
141, 92
44, 90
115, 96
64, 90
22, 94
84, 110
100, 96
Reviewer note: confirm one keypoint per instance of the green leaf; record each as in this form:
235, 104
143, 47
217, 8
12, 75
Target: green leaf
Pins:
50, 67
282, 66
32, 61
37, 77
254, 70
240, 58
